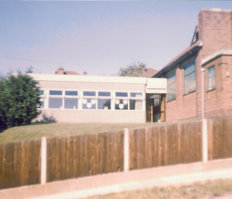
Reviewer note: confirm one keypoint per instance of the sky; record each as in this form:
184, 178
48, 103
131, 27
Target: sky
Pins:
98, 37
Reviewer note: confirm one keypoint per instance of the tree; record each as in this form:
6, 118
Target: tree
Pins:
19, 101
30, 69
134, 70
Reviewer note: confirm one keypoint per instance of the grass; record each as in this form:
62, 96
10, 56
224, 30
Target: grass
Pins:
204, 190
25, 133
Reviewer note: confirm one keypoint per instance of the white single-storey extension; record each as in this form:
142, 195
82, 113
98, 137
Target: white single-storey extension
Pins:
102, 99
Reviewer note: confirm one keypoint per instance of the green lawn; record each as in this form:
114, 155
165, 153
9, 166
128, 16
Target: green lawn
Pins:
30, 132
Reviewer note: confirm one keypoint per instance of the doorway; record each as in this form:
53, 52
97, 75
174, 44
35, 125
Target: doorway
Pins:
155, 108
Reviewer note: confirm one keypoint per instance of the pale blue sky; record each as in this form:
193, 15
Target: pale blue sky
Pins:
93, 36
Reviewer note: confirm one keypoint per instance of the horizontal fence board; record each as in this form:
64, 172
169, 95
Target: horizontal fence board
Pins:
19, 164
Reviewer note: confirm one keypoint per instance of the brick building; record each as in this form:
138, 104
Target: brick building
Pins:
199, 79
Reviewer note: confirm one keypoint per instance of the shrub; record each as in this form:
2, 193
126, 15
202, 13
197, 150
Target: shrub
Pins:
19, 101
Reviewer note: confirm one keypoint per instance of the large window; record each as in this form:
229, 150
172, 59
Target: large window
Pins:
71, 100
190, 77
136, 102
96, 100
131, 101
211, 78
89, 100
55, 99
121, 101
171, 83
104, 100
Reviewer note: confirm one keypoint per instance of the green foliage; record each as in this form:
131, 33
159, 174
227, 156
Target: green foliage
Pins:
19, 101
134, 70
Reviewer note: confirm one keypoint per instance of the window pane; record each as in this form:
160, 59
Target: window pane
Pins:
121, 94
55, 102
136, 94
136, 104
71, 93
104, 94
189, 77
89, 103
89, 93
211, 78
70, 103
55, 92
171, 83
41, 104
121, 104
41, 92
104, 104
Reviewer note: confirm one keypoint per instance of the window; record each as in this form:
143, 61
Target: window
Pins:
71, 100
136, 102
89, 100
55, 102
41, 93
124, 102
55, 92
104, 100
121, 101
211, 78
171, 83
190, 77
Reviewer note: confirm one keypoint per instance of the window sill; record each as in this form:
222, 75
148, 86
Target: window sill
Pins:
171, 100
189, 93
209, 90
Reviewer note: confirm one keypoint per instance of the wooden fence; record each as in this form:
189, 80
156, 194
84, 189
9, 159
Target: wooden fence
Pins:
19, 164
83, 155
219, 138
165, 145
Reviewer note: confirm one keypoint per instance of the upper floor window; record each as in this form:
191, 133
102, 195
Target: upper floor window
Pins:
211, 78
171, 83
190, 77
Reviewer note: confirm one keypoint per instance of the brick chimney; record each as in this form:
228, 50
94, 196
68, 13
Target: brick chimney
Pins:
60, 70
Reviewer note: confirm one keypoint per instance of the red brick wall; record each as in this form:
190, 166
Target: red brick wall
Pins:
215, 31
219, 101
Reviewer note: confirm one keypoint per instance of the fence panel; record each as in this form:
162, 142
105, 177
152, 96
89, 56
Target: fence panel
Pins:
220, 138
19, 164
84, 155
165, 145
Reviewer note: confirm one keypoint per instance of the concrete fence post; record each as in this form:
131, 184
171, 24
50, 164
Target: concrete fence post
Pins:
126, 150
204, 141
43, 172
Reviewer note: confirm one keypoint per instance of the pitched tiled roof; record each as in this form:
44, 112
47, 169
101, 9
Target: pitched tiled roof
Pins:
180, 57
149, 72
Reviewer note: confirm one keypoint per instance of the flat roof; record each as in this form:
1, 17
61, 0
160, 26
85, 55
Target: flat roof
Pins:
153, 85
